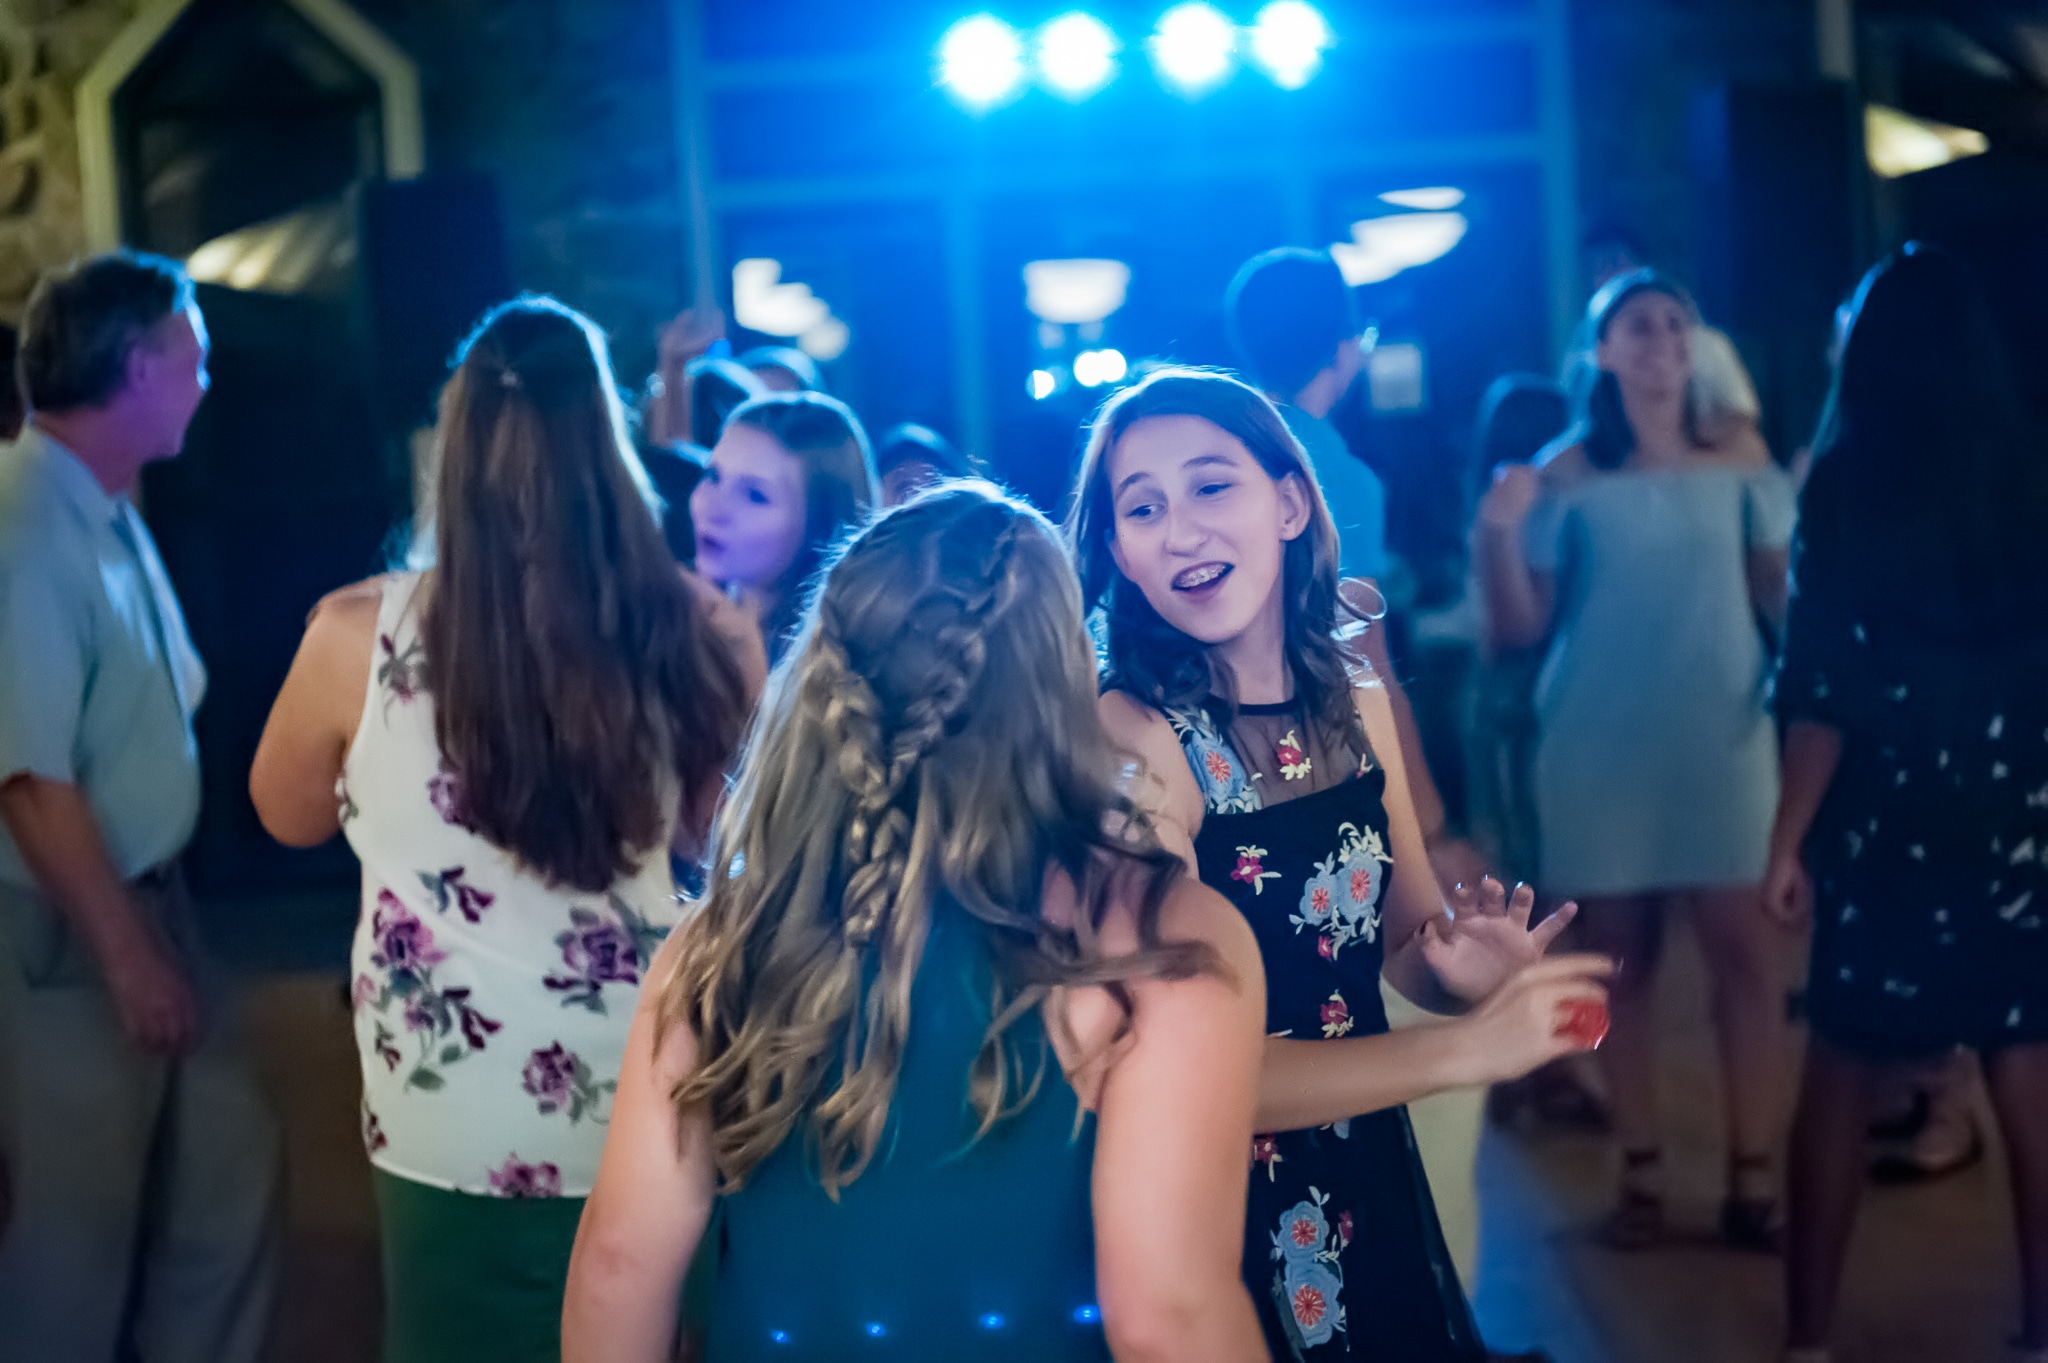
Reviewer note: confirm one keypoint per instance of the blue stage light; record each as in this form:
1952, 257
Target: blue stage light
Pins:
1076, 55
981, 61
1194, 47
1287, 42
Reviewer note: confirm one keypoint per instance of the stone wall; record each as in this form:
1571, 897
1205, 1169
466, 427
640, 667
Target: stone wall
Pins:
45, 47
564, 103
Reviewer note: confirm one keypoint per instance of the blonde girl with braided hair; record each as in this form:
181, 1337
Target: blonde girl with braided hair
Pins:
970, 1063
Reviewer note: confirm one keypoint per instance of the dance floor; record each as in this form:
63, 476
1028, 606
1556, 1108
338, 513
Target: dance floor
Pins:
1931, 1276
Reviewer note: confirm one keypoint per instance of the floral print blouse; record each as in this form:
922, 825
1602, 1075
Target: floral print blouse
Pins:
490, 1009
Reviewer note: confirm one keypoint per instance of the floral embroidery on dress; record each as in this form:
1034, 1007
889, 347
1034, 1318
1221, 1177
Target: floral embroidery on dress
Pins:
516, 1178
403, 673
559, 1079
345, 803
1251, 869
601, 950
1336, 1013
449, 887
1226, 787
1309, 1284
1266, 1151
442, 1021
1294, 763
1341, 900
374, 1138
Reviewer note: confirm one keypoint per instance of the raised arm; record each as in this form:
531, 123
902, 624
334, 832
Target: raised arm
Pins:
651, 1202
305, 741
1174, 1128
1519, 601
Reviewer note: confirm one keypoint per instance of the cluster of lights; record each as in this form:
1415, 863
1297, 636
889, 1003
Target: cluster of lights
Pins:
1194, 48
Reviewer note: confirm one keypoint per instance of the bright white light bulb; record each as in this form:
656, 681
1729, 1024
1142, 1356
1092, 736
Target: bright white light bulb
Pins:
1094, 368
981, 60
1436, 198
1076, 55
1043, 383
1194, 47
1287, 42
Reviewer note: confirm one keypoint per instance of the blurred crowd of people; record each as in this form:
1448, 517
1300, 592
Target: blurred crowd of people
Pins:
811, 901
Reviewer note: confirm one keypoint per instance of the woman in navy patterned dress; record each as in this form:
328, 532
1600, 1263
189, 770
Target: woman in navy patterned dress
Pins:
1916, 758
1264, 751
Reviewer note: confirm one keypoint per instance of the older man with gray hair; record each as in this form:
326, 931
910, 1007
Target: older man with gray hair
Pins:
144, 1160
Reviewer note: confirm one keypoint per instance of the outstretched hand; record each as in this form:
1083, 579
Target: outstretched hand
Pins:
1486, 938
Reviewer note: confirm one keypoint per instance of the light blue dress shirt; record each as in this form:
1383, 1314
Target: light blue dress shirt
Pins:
1357, 498
98, 676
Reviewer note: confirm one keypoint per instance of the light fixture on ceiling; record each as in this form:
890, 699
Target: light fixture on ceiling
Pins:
1075, 292
981, 61
1434, 198
1381, 248
1194, 47
1898, 143
1076, 55
1287, 41
762, 301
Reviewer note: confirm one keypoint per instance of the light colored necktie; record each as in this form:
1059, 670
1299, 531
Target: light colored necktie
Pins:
188, 673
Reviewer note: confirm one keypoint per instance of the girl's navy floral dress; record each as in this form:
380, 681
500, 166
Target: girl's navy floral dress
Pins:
1343, 1253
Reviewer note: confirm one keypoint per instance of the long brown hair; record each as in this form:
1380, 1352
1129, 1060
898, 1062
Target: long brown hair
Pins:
577, 690
1148, 657
933, 730
840, 486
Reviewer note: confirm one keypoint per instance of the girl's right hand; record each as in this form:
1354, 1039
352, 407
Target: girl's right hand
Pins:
1788, 892
1523, 1025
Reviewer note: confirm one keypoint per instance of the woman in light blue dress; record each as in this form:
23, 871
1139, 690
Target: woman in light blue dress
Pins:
1653, 564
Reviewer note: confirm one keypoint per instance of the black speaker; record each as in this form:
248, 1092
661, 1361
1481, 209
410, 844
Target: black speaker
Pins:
433, 260
1779, 191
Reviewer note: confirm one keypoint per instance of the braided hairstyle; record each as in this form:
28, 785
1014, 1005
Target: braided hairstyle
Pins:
929, 745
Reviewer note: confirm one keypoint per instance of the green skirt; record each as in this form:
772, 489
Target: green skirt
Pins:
473, 1278
481, 1278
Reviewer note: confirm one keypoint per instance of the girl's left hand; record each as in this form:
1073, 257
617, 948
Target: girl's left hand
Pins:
1486, 938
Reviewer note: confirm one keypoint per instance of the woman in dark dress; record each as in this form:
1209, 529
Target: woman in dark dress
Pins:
976, 1075
1265, 752
1914, 821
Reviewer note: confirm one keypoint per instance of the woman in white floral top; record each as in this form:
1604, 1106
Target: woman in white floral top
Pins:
511, 740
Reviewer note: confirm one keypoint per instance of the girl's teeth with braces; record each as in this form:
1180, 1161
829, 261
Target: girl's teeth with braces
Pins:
1202, 577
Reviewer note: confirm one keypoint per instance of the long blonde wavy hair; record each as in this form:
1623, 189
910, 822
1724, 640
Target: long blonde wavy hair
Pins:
933, 729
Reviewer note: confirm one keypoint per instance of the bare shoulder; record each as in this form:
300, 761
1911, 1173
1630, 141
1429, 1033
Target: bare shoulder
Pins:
1736, 441
1132, 723
1563, 462
353, 604
1195, 913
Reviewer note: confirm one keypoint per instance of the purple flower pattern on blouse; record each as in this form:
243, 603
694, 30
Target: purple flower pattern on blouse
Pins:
601, 947
559, 1080
444, 792
402, 673
450, 887
516, 1178
443, 1024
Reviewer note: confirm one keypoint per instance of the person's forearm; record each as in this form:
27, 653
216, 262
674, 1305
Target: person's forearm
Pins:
53, 825
1217, 1326
1415, 980
1313, 1083
1516, 614
1812, 752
